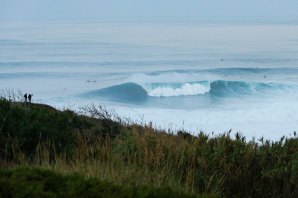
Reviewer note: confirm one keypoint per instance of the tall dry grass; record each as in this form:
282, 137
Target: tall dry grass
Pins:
141, 158
219, 165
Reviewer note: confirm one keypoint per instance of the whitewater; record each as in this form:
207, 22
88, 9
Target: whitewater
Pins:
179, 76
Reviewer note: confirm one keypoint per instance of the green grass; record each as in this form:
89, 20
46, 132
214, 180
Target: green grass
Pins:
25, 182
128, 154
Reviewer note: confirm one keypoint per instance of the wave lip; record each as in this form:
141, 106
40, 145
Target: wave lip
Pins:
224, 88
128, 92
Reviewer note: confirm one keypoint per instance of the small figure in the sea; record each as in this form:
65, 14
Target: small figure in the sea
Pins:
30, 97
25, 96
222, 59
264, 76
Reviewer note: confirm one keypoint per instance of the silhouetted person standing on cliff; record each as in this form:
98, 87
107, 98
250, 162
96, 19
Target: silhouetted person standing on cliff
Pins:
25, 96
30, 97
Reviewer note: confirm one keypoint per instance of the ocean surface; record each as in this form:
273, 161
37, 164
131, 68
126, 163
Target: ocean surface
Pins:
179, 76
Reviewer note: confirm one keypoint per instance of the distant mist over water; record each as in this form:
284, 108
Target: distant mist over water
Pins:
215, 11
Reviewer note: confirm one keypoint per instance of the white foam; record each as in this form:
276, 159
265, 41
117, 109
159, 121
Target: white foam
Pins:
187, 89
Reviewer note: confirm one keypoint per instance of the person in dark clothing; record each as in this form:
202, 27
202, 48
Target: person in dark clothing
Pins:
30, 97
25, 96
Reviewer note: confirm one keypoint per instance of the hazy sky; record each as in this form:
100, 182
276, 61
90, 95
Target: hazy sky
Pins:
155, 10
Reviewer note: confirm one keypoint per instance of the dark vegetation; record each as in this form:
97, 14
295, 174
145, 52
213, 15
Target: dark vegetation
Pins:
25, 182
24, 127
103, 146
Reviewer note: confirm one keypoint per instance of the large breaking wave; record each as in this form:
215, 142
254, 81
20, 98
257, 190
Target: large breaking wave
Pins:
217, 88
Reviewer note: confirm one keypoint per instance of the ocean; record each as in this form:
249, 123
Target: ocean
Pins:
179, 76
